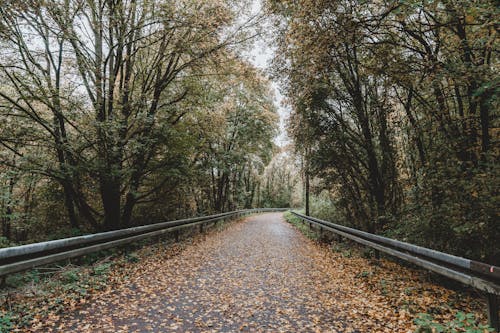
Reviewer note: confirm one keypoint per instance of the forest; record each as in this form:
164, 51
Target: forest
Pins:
394, 112
122, 113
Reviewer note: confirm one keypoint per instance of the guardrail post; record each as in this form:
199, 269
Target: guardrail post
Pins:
493, 320
323, 235
177, 235
201, 228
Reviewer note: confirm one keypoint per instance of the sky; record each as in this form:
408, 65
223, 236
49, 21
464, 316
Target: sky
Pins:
260, 56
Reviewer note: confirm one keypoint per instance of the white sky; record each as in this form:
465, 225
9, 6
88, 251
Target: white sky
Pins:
261, 55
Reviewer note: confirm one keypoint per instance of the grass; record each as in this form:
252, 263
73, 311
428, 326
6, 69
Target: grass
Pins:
302, 226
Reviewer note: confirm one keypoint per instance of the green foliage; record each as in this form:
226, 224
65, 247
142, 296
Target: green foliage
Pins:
64, 232
364, 274
5, 322
299, 224
295, 220
279, 183
20, 279
102, 269
465, 212
5, 242
463, 322
132, 257
347, 253
70, 276
397, 120
324, 208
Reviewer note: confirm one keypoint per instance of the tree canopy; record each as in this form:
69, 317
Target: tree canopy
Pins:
122, 112
397, 105
118, 113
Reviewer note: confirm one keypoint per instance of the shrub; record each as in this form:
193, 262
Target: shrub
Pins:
463, 322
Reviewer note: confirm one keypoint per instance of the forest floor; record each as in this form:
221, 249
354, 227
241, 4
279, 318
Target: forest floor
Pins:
259, 275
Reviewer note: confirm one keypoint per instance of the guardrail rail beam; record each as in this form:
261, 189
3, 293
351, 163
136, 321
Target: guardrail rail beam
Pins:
476, 274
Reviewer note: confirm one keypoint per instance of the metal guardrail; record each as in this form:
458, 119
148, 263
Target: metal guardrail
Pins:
473, 273
469, 272
20, 258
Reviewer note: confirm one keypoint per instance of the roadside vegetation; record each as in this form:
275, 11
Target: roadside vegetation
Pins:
395, 116
121, 113
28, 299
431, 303
128, 113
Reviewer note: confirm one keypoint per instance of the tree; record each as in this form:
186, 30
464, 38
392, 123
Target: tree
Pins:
400, 97
96, 83
279, 182
234, 154
343, 106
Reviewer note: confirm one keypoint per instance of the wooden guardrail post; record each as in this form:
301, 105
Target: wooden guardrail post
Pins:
493, 319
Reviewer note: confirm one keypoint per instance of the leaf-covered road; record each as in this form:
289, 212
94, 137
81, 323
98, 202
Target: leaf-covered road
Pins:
257, 275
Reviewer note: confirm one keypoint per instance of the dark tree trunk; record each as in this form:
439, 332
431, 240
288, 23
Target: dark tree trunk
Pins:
377, 189
7, 218
69, 203
307, 185
128, 207
485, 124
110, 194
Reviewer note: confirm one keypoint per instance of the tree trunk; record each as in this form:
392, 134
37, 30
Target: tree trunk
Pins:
307, 185
6, 220
110, 195
69, 204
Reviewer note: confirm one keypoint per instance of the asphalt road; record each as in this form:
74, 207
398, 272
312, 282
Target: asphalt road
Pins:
258, 275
